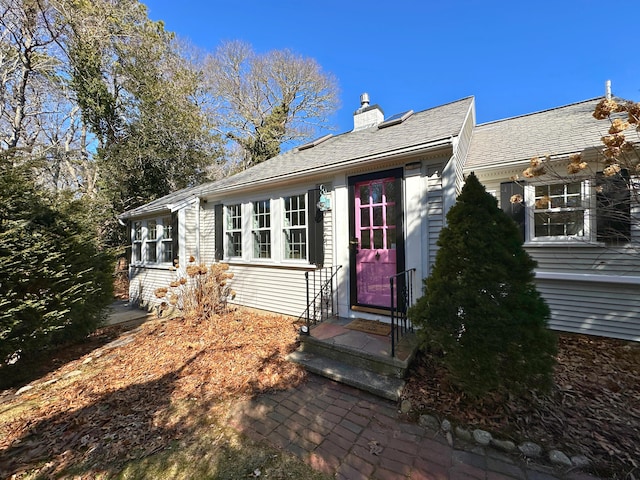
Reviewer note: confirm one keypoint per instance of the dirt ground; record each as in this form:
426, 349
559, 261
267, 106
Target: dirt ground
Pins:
124, 395
593, 409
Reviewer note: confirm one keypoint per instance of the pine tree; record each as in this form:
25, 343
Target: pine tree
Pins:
55, 281
480, 309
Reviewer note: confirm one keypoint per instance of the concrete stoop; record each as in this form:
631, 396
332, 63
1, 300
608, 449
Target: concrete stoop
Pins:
360, 378
374, 371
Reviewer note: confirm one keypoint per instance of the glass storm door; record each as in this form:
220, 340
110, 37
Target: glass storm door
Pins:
375, 231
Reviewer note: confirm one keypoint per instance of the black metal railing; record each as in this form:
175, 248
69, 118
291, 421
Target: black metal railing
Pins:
322, 290
401, 300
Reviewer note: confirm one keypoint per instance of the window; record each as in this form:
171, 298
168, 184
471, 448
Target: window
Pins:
234, 230
295, 227
137, 242
277, 230
559, 210
151, 244
262, 229
167, 240
154, 241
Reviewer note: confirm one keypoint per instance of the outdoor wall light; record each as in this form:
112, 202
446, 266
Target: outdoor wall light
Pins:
304, 330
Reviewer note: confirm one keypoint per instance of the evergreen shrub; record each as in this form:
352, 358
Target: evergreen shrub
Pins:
480, 312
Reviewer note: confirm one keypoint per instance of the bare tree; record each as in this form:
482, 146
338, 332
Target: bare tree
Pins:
263, 101
39, 119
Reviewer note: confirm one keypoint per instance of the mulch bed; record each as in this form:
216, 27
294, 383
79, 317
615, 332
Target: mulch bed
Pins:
593, 409
132, 397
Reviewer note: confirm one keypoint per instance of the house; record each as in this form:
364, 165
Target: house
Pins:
587, 244
373, 201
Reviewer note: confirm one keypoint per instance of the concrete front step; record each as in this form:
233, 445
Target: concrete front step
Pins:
375, 359
363, 379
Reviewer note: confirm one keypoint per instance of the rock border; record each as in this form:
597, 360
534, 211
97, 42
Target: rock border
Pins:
528, 449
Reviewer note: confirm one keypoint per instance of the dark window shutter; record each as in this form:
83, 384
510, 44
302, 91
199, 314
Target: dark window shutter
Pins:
315, 228
515, 211
218, 231
613, 208
175, 237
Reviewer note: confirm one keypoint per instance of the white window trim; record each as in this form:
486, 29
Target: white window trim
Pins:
159, 241
277, 229
286, 228
588, 199
227, 230
255, 228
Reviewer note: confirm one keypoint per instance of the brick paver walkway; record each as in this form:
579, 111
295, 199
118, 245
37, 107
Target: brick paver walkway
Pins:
354, 435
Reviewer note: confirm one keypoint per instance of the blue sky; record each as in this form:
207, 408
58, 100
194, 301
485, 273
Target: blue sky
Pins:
514, 57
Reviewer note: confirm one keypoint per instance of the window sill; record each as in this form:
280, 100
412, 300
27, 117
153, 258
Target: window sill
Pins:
301, 265
153, 266
563, 243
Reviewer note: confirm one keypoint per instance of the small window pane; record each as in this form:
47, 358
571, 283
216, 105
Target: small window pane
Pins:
152, 230
137, 231
364, 217
391, 215
262, 245
364, 194
376, 193
377, 216
167, 251
365, 241
557, 189
391, 238
390, 191
377, 239
296, 244
151, 252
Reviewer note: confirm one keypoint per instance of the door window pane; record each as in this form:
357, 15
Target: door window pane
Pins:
364, 194
377, 216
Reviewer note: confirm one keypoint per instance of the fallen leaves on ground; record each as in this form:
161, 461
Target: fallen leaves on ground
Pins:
593, 409
134, 396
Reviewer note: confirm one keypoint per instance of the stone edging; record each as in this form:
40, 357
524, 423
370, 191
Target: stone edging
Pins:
530, 450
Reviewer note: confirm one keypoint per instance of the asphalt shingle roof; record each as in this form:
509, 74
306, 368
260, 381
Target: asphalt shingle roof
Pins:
421, 128
558, 131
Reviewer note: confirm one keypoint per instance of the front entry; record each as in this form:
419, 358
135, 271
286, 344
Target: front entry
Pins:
376, 246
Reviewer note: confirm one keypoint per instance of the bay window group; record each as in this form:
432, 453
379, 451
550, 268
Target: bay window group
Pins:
152, 241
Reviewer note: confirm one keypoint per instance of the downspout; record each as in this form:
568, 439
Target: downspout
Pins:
198, 230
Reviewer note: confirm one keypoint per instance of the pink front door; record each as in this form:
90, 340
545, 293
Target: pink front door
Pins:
376, 203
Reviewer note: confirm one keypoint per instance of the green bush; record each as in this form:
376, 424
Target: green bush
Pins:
55, 282
480, 312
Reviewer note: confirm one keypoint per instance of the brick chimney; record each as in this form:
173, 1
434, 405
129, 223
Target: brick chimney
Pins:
367, 115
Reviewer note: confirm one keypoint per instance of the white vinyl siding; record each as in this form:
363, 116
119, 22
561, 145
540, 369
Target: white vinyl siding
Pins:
143, 283
435, 214
596, 308
281, 290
